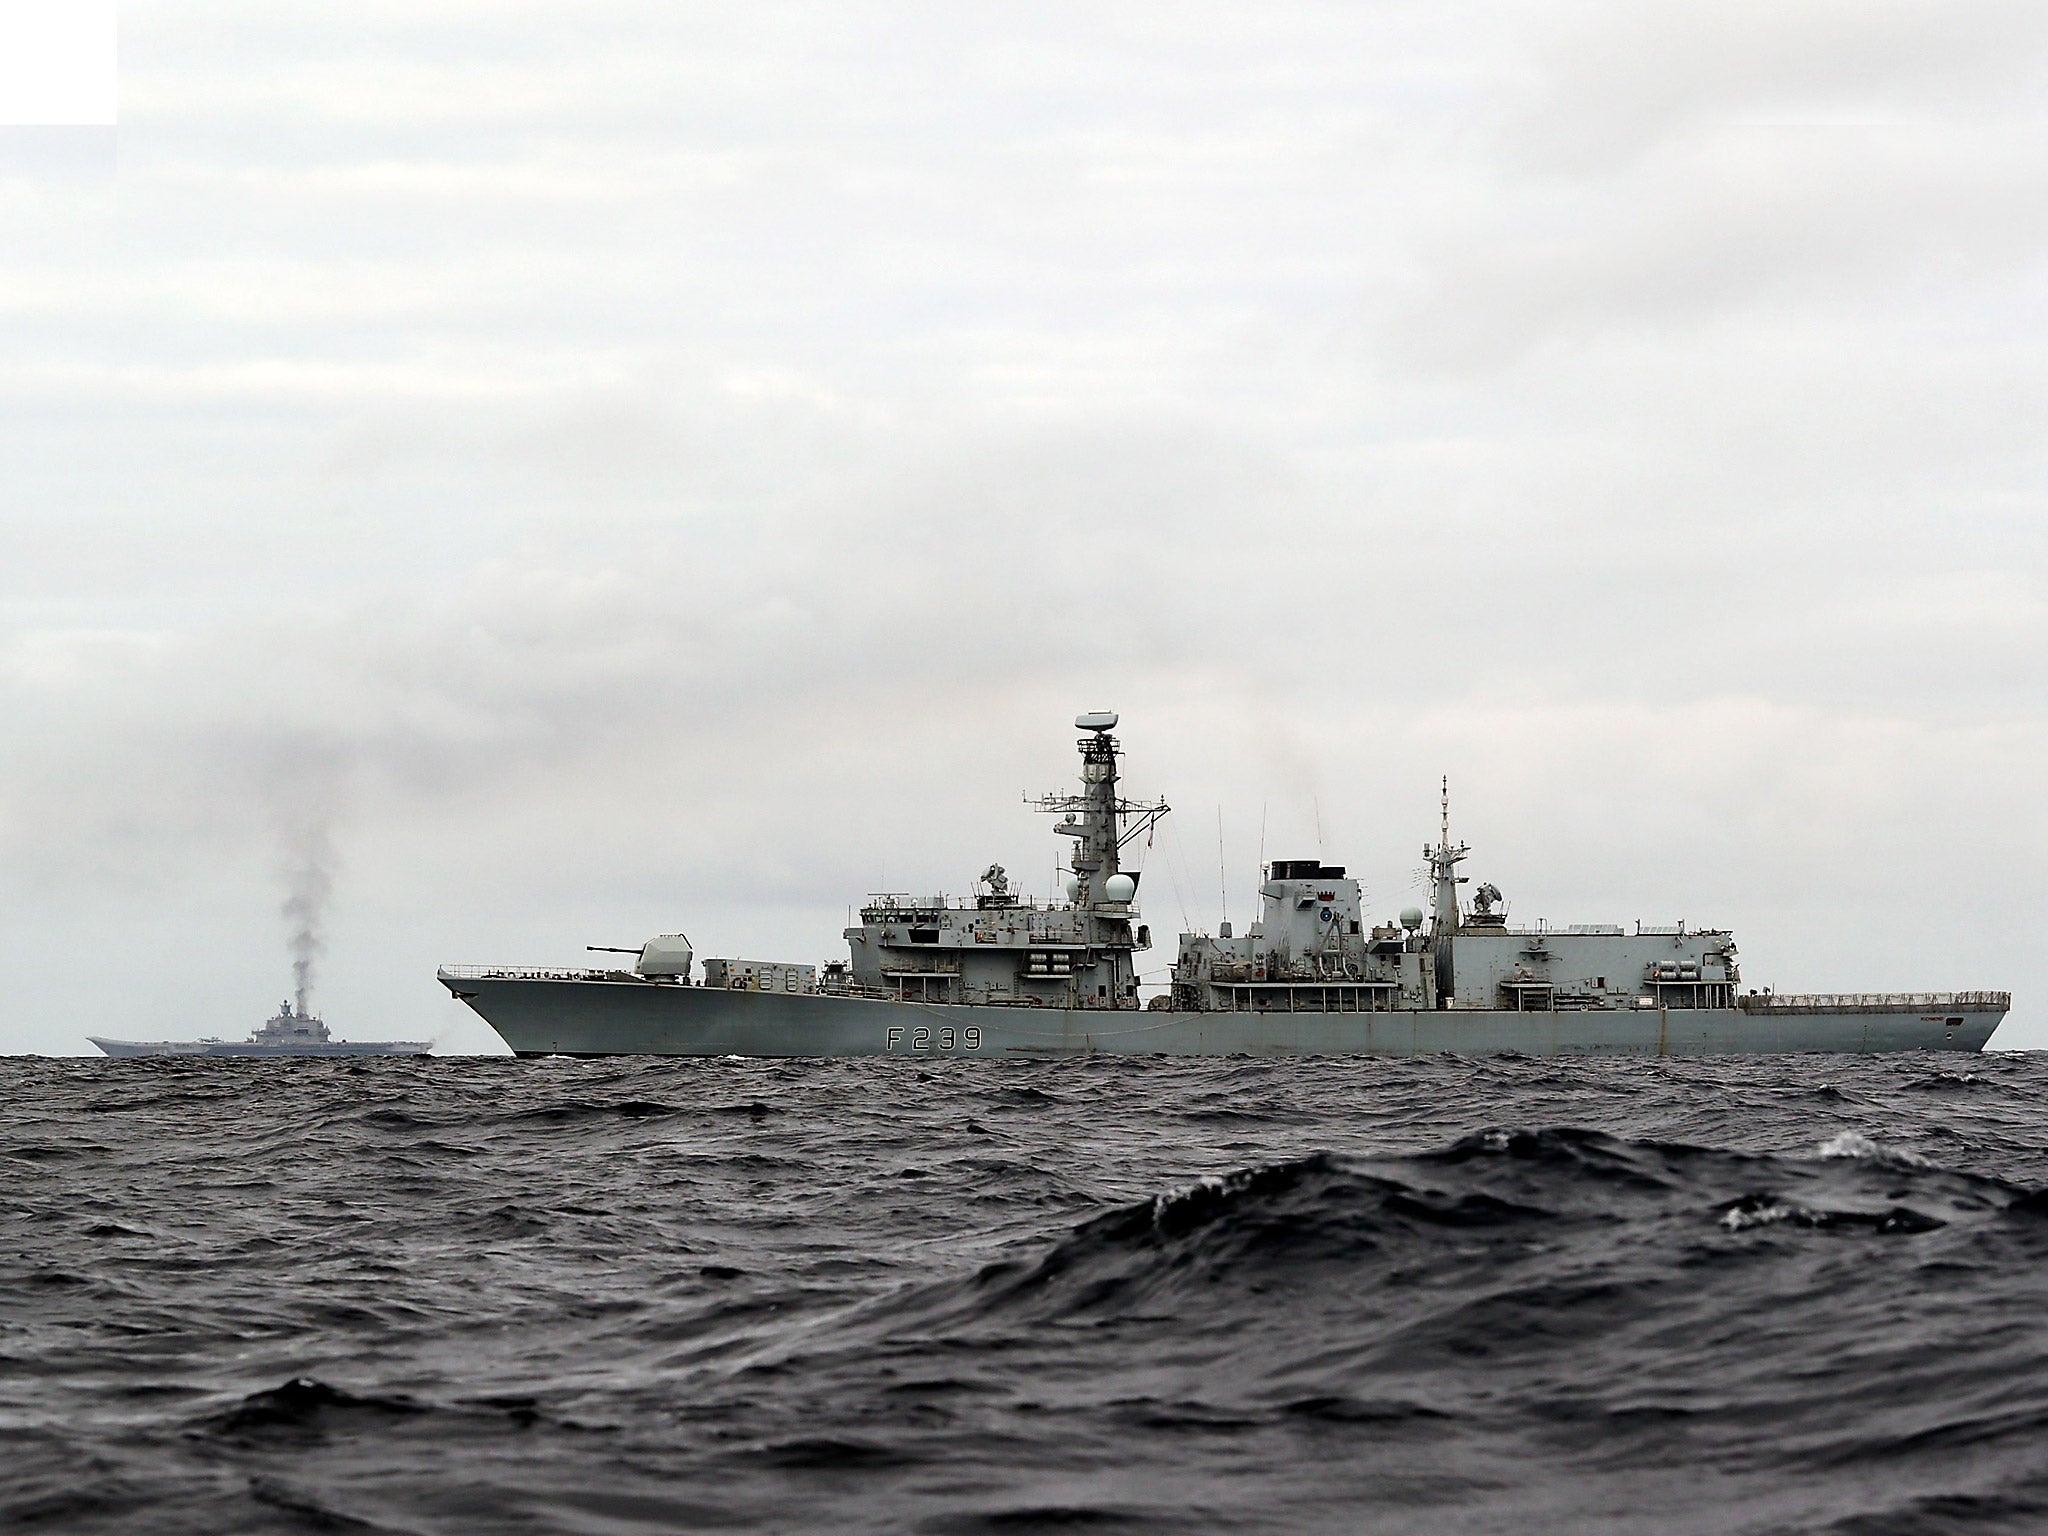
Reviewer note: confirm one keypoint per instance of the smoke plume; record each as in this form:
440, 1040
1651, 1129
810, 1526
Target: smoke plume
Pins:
309, 877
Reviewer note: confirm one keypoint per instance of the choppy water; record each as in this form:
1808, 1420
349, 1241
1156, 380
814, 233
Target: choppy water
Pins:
1443, 1296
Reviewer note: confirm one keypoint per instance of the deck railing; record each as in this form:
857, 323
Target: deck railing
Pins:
527, 973
1873, 1002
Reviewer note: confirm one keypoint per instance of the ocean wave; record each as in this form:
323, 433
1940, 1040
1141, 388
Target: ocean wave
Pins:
1748, 1211
1388, 1296
306, 1407
579, 1112
1855, 1144
1947, 1082
1592, 1222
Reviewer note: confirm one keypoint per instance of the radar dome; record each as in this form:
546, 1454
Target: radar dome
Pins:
1411, 918
1073, 887
1119, 888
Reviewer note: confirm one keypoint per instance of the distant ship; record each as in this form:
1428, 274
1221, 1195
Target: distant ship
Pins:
292, 1032
1004, 976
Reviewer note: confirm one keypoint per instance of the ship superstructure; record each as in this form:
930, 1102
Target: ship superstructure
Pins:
1313, 949
1002, 974
1004, 949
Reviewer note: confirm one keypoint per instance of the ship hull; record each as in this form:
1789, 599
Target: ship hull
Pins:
243, 1048
579, 1016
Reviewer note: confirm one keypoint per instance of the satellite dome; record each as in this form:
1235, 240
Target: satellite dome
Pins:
1119, 888
1073, 887
1411, 918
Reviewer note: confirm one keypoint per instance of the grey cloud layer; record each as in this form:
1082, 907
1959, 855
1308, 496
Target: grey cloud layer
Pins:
660, 455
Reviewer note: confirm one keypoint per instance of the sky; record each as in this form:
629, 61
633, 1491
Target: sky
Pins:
548, 476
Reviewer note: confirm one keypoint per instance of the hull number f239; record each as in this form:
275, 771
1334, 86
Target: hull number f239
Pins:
934, 1039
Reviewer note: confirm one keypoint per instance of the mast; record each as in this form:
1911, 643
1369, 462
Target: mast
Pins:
1443, 869
1097, 819
1101, 823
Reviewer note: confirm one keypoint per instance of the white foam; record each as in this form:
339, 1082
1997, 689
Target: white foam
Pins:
1856, 1144
1739, 1219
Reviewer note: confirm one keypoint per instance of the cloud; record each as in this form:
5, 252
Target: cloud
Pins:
649, 468
1610, 80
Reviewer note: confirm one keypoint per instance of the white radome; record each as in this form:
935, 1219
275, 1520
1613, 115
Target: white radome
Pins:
1119, 888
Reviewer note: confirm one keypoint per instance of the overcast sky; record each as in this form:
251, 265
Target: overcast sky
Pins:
608, 469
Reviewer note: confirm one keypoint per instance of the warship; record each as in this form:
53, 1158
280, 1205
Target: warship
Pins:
292, 1031
1001, 975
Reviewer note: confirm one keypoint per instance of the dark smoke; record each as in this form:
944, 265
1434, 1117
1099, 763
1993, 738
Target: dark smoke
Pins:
309, 874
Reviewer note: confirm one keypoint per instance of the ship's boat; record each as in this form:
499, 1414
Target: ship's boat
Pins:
291, 1031
998, 974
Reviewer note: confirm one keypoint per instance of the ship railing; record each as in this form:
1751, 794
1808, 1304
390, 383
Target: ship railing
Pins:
1871, 1002
842, 988
527, 973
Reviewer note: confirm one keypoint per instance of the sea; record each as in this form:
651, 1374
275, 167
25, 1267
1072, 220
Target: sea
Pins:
1447, 1295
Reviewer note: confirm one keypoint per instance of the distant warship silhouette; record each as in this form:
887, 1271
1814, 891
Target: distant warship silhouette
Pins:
292, 1032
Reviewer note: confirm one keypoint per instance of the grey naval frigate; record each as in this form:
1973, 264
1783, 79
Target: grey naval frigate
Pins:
1000, 975
292, 1031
